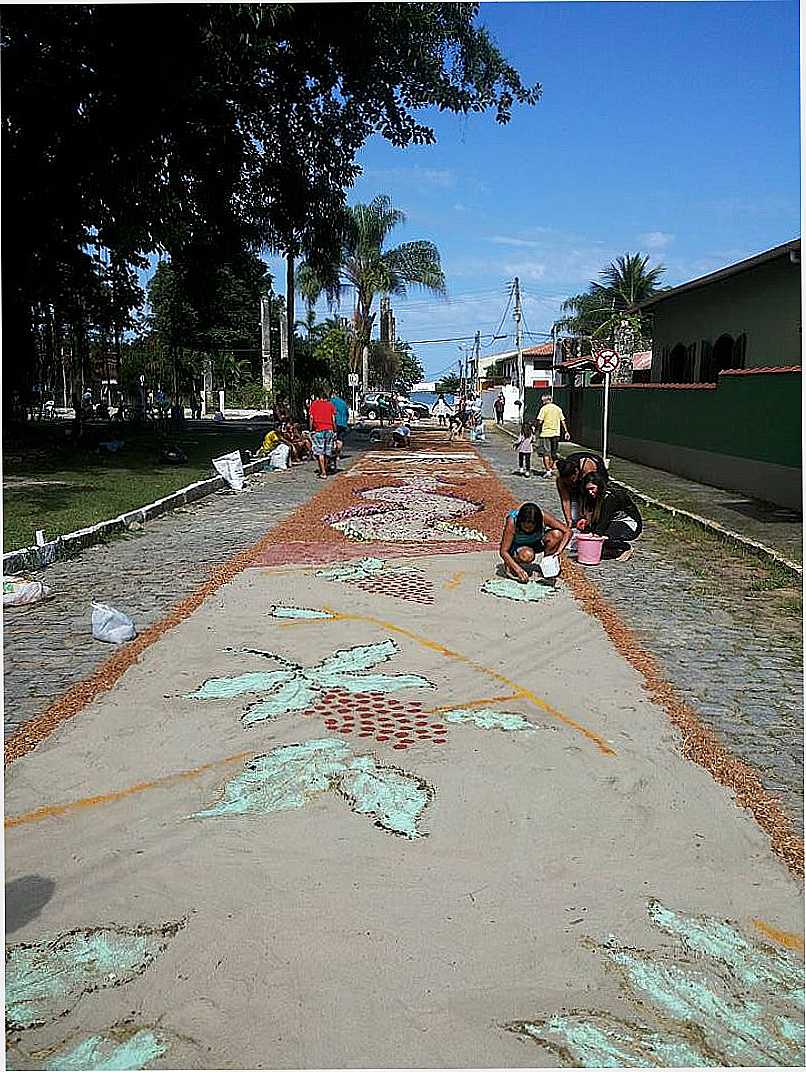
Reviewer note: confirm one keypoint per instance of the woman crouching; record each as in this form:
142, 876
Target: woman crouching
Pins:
609, 512
529, 532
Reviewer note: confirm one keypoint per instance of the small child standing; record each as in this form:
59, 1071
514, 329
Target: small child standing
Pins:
524, 449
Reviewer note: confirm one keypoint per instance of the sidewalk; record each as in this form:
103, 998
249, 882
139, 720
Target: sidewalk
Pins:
367, 807
776, 527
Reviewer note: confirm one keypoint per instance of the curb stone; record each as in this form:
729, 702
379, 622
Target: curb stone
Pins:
28, 559
704, 523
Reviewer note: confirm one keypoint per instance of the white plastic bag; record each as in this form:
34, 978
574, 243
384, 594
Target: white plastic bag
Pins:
278, 459
230, 467
111, 625
19, 591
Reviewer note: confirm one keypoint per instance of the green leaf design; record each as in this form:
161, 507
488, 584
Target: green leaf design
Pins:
395, 798
100, 1053
351, 660
297, 688
306, 613
296, 695
506, 588
226, 688
45, 979
352, 571
284, 778
721, 999
375, 682
489, 719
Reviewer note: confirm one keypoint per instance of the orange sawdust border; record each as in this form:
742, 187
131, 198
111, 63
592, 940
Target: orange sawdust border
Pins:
699, 743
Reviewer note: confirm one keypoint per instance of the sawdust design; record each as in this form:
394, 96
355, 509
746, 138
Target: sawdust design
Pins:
376, 576
45, 979
297, 688
288, 777
720, 999
416, 510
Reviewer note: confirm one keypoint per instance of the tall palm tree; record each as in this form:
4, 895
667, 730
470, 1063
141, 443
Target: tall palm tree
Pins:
603, 307
369, 269
627, 281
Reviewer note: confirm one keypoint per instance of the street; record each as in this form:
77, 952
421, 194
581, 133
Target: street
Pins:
365, 805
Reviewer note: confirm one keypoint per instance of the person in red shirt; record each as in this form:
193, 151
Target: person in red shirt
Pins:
322, 415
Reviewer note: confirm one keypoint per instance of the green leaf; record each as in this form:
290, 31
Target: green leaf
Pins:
394, 798
296, 695
350, 660
284, 778
225, 688
375, 682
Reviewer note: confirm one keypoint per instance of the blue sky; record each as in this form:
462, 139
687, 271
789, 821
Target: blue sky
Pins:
670, 128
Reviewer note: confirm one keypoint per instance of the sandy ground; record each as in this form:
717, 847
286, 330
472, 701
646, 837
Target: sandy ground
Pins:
313, 938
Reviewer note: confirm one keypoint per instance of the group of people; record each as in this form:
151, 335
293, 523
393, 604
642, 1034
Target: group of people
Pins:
464, 416
549, 423
290, 443
589, 503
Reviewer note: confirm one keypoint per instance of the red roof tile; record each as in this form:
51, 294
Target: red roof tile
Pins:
763, 369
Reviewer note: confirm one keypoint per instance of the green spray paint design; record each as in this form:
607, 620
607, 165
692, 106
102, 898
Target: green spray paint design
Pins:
505, 588
353, 571
289, 776
721, 999
46, 979
101, 1053
490, 719
297, 688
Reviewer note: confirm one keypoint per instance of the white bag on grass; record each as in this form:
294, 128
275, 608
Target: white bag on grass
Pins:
111, 625
230, 467
20, 591
278, 459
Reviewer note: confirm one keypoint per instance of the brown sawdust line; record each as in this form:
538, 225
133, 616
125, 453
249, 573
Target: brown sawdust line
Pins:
333, 496
699, 743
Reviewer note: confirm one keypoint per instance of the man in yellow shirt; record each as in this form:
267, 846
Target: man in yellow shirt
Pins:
550, 420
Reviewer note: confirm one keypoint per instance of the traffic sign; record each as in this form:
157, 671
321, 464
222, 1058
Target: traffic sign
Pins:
353, 379
607, 361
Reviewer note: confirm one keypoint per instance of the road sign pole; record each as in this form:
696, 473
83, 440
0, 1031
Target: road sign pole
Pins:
606, 414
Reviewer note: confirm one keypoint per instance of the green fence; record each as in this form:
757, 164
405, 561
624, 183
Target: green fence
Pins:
755, 417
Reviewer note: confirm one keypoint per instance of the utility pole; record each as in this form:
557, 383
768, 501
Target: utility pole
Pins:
553, 357
476, 357
265, 338
289, 307
518, 316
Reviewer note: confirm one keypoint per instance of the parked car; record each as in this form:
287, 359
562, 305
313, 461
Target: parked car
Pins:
411, 409
378, 405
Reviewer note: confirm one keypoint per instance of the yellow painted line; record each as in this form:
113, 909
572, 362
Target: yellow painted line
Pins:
455, 581
50, 811
526, 694
474, 703
785, 938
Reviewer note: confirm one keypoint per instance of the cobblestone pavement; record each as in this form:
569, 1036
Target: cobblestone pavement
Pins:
49, 646
731, 657
774, 526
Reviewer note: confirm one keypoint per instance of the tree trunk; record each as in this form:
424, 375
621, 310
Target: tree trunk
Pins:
289, 312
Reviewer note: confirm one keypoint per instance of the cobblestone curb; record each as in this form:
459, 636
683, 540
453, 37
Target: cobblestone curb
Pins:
29, 559
704, 523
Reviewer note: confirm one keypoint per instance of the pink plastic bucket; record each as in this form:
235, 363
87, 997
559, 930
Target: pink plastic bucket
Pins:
589, 548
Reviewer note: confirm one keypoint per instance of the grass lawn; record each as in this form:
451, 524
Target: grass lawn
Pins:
50, 484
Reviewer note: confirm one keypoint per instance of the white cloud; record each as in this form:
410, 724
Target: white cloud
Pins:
507, 240
656, 239
442, 178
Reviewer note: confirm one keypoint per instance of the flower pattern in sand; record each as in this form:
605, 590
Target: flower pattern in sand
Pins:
415, 510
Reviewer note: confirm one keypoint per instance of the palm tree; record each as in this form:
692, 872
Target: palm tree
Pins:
604, 306
627, 281
370, 270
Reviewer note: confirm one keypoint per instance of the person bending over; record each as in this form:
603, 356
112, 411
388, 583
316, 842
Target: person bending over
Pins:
609, 512
401, 437
570, 471
529, 532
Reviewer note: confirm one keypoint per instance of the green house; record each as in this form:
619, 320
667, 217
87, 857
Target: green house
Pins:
745, 316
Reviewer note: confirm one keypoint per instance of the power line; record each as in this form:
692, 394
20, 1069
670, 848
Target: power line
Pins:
496, 334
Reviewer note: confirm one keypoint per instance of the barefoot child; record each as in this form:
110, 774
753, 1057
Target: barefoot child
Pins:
527, 533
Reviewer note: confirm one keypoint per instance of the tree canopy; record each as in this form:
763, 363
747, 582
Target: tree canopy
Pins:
209, 130
606, 304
